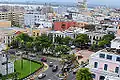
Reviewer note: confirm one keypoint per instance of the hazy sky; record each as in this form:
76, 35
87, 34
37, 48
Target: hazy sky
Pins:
102, 2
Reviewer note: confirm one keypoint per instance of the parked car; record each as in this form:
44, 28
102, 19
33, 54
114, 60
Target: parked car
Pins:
42, 75
51, 64
43, 59
55, 68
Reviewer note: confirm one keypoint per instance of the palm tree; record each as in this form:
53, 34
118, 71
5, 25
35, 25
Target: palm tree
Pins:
83, 74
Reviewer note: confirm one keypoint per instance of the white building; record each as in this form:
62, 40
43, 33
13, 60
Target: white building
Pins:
31, 18
3, 64
72, 32
44, 24
95, 36
7, 35
115, 43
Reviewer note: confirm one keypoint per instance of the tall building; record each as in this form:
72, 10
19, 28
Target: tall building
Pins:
82, 4
33, 17
16, 18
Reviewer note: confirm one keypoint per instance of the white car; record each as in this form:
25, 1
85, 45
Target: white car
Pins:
51, 64
42, 75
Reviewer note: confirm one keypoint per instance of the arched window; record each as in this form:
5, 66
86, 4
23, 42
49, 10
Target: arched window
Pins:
95, 64
105, 67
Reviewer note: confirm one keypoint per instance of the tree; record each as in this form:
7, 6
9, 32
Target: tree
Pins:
61, 48
29, 46
59, 40
67, 40
106, 40
43, 41
0, 76
108, 37
82, 39
93, 47
20, 40
24, 37
83, 74
103, 43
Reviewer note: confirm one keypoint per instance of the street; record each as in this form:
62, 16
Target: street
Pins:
49, 74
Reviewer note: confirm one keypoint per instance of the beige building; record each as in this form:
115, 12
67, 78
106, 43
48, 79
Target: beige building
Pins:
5, 24
16, 18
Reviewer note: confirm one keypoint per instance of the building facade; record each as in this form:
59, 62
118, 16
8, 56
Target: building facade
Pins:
104, 63
115, 43
16, 18
31, 18
3, 64
61, 25
5, 24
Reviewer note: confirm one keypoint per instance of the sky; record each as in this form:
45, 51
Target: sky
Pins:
97, 2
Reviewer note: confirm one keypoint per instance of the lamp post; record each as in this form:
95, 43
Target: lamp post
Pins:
7, 65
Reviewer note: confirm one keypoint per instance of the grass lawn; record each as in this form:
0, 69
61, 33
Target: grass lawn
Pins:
26, 70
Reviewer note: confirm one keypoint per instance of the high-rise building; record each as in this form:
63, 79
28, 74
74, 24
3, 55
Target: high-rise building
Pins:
16, 18
82, 4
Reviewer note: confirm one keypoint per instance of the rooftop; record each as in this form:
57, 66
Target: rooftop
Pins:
111, 51
116, 40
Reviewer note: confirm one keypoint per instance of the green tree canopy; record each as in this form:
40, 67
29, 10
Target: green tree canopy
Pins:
66, 40
83, 74
108, 37
106, 40
82, 39
59, 40
24, 37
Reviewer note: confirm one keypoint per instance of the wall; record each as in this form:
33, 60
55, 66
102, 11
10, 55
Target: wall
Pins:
99, 71
5, 24
58, 26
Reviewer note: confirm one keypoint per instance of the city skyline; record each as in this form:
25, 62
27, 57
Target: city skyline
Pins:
95, 2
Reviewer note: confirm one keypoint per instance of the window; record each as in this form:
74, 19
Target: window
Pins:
118, 59
95, 64
37, 34
116, 69
105, 67
94, 38
102, 55
33, 33
102, 78
109, 57
93, 76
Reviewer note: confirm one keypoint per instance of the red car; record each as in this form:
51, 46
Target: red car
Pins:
44, 59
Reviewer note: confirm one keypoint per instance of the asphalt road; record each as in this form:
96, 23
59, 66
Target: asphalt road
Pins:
71, 76
49, 74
